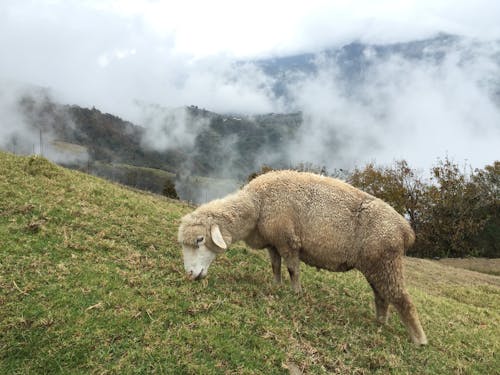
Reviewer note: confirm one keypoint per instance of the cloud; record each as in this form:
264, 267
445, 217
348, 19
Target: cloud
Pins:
417, 109
115, 54
11, 124
28, 117
224, 86
91, 55
248, 29
170, 128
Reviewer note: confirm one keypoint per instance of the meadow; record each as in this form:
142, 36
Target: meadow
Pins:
92, 281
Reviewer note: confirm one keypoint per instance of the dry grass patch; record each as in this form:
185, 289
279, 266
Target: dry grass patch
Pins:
484, 265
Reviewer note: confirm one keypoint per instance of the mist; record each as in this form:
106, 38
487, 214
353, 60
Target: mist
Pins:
445, 103
402, 108
146, 61
27, 124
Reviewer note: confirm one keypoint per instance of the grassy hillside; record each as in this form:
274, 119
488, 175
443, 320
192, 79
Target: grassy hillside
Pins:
91, 281
484, 265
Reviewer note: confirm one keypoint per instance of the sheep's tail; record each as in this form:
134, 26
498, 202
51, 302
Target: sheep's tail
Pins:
408, 235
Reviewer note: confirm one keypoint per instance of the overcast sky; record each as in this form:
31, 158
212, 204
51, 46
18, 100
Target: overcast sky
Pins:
113, 54
90, 50
237, 28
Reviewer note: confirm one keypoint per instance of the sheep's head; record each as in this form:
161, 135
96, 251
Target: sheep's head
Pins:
200, 245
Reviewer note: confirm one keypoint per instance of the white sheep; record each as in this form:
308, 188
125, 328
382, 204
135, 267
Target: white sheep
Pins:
322, 221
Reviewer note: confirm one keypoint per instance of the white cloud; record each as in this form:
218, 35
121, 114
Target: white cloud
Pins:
111, 54
417, 110
118, 54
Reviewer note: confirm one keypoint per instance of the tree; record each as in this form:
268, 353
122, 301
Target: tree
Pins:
454, 213
399, 185
488, 182
169, 189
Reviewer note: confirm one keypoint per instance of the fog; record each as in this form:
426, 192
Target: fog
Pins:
20, 133
133, 59
419, 110
445, 103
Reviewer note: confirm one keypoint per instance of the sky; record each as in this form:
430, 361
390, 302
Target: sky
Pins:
119, 55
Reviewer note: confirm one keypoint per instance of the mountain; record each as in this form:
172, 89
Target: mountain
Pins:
106, 137
353, 60
352, 57
109, 138
193, 144
92, 281
226, 147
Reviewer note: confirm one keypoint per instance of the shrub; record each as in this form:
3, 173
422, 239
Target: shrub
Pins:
169, 189
453, 213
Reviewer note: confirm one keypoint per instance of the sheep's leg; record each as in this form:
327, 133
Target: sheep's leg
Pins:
381, 306
409, 316
293, 265
275, 263
387, 279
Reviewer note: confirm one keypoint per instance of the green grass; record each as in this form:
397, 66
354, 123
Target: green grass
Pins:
91, 281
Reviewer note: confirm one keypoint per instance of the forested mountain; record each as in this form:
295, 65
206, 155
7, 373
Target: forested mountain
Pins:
353, 60
205, 143
190, 142
225, 147
110, 139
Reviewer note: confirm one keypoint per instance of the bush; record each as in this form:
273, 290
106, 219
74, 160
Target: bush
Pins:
169, 189
454, 213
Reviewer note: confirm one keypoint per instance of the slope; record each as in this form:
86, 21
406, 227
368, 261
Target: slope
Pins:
91, 281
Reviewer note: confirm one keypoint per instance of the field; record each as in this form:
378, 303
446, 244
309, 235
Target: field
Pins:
91, 281
490, 266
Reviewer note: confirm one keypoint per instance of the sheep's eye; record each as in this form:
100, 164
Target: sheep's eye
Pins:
199, 240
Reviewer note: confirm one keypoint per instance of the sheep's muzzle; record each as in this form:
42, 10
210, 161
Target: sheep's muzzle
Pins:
194, 277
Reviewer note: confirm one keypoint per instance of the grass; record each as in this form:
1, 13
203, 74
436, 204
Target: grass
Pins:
484, 265
91, 281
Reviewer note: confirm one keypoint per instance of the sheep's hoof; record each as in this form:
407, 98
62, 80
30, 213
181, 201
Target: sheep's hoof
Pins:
420, 342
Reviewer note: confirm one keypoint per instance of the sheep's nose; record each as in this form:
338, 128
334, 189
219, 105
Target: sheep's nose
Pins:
194, 277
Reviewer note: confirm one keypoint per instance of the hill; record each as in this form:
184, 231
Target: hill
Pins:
354, 59
346, 105
186, 142
91, 281
176, 140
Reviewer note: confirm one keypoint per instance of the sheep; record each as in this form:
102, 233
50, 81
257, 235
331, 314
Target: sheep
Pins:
321, 221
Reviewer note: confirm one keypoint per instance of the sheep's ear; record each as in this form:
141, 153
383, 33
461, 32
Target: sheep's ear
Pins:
217, 237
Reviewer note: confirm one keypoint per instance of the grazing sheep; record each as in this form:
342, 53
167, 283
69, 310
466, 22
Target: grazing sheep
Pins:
324, 222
